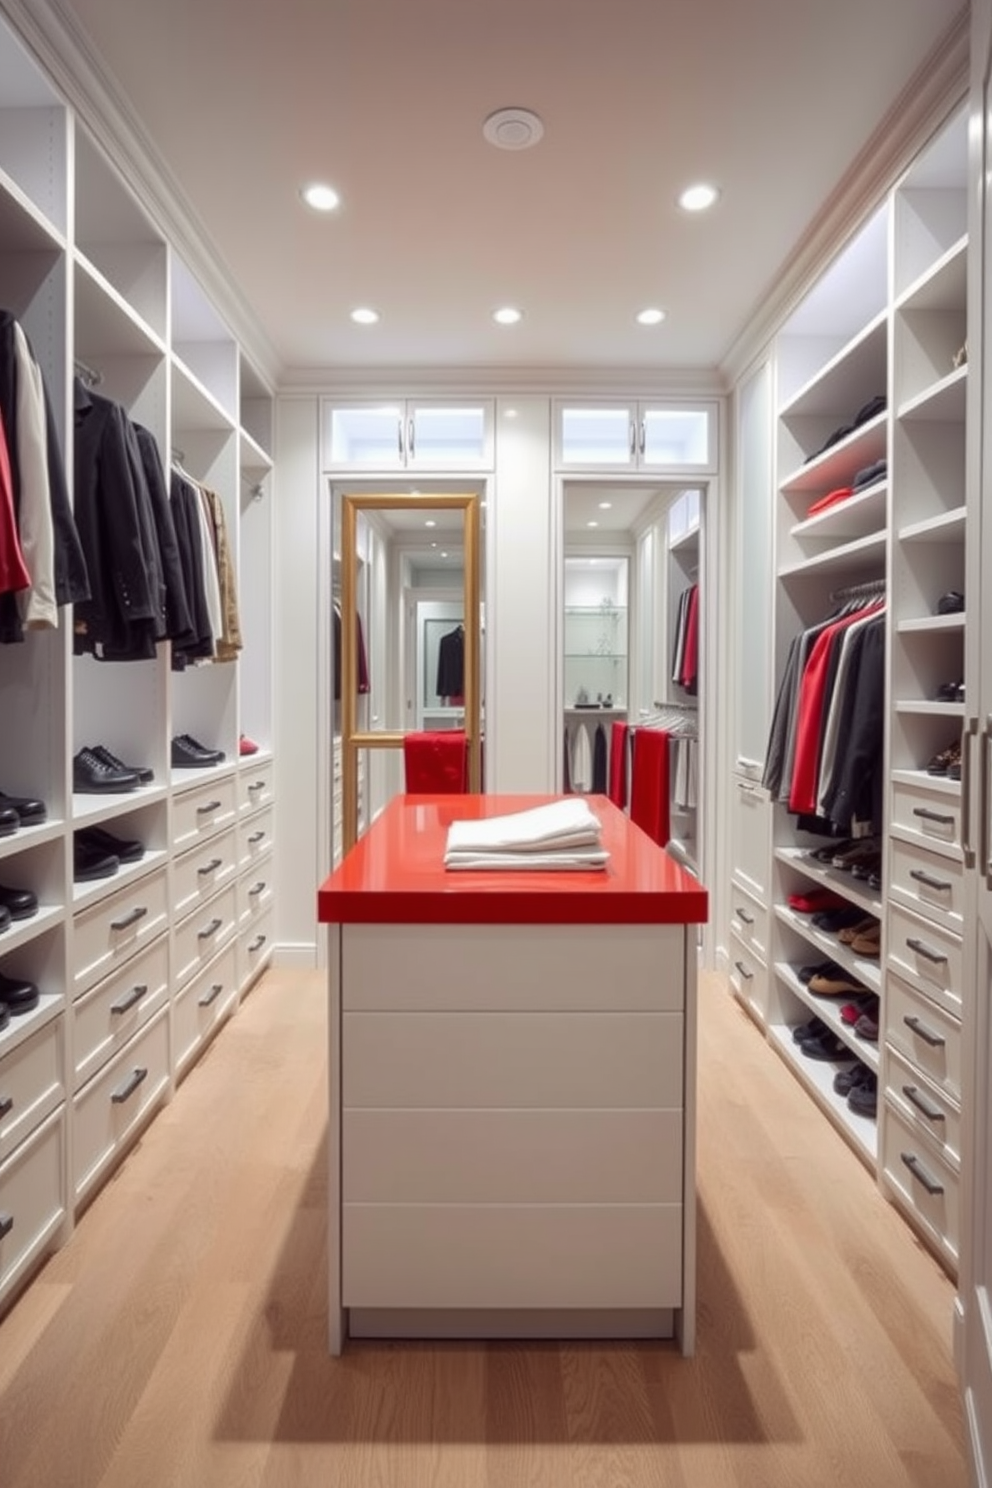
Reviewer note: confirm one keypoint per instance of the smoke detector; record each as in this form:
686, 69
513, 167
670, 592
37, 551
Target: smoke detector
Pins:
513, 129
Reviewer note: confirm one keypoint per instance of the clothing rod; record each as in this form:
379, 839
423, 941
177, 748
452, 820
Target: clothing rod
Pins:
868, 590
178, 456
255, 490
678, 706
89, 375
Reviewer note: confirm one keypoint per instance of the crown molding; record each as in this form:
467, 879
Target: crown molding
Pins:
621, 382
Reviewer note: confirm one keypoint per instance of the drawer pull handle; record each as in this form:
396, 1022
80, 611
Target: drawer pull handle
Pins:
927, 952
258, 785
130, 1085
256, 837
933, 816
257, 944
6, 1224
6, 1105
929, 1110
258, 888
206, 809
127, 1002
210, 867
917, 1169
212, 995
747, 975
209, 930
935, 1040
137, 913
744, 917
930, 881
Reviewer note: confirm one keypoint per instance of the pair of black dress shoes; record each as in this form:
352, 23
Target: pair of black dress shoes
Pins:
20, 811
16, 904
189, 754
97, 853
97, 771
17, 996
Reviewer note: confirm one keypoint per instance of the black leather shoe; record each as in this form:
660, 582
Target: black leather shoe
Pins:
4, 919
4, 1016
93, 776
29, 810
20, 904
97, 839
9, 821
144, 773
18, 994
92, 862
187, 754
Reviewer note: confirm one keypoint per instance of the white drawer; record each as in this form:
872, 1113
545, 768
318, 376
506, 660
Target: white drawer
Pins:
32, 1198
521, 967
112, 930
106, 1016
924, 1106
578, 1061
255, 947
927, 882
109, 1110
199, 873
201, 812
927, 955
202, 934
928, 813
512, 1157
750, 835
202, 1005
32, 1084
255, 787
255, 837
521, 1255
925, 1187
927, 1036
256, 891
748, 977
749, 921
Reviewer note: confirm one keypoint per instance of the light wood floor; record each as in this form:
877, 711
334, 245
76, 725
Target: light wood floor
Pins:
178, 1340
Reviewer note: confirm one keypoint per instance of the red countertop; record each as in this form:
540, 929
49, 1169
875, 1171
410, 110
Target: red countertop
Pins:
395, 874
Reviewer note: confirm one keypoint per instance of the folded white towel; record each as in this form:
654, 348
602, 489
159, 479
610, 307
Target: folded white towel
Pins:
568, 823
530, 862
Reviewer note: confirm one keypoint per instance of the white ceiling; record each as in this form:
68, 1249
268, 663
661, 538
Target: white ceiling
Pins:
241, 101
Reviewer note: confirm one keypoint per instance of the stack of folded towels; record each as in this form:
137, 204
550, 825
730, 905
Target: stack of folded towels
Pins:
562, 835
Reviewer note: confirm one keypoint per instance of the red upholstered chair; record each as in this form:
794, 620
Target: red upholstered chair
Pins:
436, 762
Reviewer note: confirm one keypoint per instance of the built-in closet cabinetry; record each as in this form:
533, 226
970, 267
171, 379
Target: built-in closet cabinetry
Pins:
422, 434
634, 435
136, 969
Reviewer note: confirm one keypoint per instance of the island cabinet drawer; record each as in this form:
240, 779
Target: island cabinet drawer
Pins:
520, 1255
32, 1198
529, 968
109, 1110
512, 1157
31, 1084
579, 1061
255, 837
106, 1016
201, 812
255, 787
203, 870
202, 934
111, 931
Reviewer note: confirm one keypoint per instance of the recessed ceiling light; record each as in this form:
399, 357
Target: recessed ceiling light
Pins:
605, 505
430, 522
507, 315
592, 524
320, 197
444, 555
650, 317
513, 129
364, 315
697, 198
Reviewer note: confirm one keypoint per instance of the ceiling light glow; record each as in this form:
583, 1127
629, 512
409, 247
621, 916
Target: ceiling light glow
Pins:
320, 197
651, 316
507, 315
592, 524
605, 505
365, 315
697, 198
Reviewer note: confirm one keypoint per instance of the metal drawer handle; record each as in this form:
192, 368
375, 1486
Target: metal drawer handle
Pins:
929, 881
6, 1105
257, 944
6, 1224
927, 952
934, 816
917, 1169
210, 867
930, 1111
258, 888
256, 837
744, 917
138, 913
747, 975
209, 930
127, 1002
206, 810
935, 1040
212, 995
130, 1085
258, 785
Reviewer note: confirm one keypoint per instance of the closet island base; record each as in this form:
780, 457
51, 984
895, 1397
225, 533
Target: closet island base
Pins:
512, 1087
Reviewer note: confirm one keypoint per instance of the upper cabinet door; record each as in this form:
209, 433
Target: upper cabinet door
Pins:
631, 435
364, 436
406, 434
597, 436
678, 438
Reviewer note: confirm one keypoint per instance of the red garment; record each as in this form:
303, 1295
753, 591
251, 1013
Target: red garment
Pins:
812, 698
649, 784
618, 765
436, 762
690, 651
14, 574
832, 498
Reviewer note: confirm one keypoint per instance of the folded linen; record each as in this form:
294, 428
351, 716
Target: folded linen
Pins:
568, 861
559, 824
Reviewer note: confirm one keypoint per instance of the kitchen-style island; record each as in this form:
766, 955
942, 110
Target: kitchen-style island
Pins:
512, 1086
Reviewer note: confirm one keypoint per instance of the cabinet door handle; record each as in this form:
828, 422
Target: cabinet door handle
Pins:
930, 881
126, 1003
258, 888
927, 952
926, 814
929, 1110
399, 437
917, 1169
209, 930
642, 441
207, 808
212, 995
985, 867
747, 975
6, 1224
968, 734
6, 1105
632, 428
411, 438
257, 944
256, 837
137, 913
743, 916
935, 1040
210, 867
130, 1085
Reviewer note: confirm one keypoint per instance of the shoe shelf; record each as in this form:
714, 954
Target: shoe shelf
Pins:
942, 403
88, 892
817, 1076
863, 557
182, 778
88, 809
51, 830
931, 625
860, 515
942, 285
946, 525
854, 889
939, 783
833, 468
19, 932
867, 972
852, 375
827, 1009
930, 707
50, 1005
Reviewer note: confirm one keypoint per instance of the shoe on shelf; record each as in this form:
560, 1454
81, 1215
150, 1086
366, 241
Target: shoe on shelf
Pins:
868, 942
144, 773
126, 849
851, 1011
815, 899
20, 904
4, 1016
940, 764
30, 810
867, 1027
856, 851
18, 994
951, 603
950, 692
5, 919
810, 1030
827, 1047
863, 1097
845, 1080
91, 775
9, 821
188, 754
833, 920
247, 746
805, 972
89, 862
847, 933
835, 984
